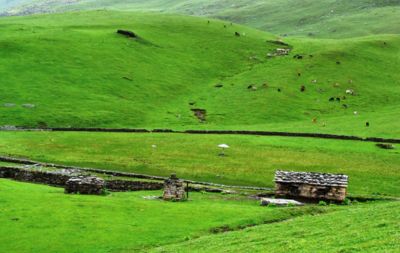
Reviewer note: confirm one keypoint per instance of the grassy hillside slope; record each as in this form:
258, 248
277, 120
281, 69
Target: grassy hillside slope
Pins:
326, 18
76, 71
365, 228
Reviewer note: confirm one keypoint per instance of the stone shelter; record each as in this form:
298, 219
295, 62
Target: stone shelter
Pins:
310, 185
174, 189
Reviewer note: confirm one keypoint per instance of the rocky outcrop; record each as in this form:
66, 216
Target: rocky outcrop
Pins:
280, 202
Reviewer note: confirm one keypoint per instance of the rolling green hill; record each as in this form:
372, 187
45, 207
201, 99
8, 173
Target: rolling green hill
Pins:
73, 69
325, 19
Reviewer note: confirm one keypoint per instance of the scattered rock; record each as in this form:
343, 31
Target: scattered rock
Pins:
200, 114
127, 78
385, 146
85, 185
228, 192
127, 33
28, 105
279, 52
151, 197
298, 56
278, 42
280, 202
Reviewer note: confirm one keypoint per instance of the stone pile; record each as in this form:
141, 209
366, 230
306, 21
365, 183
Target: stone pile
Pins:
174, 189
279, 52
85, 185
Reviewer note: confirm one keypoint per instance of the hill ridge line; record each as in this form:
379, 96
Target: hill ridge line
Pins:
222, 132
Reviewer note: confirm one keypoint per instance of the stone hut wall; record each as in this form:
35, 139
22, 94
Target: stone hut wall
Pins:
317, 186
308, 191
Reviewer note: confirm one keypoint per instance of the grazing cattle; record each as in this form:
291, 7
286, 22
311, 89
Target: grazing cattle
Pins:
279, 90
331, 99
350, 92
338, 99
345, 106
314, 120
338, 62
224, 26
314, 81
237, 34
298, 74
367, 124
311, 56
303, 88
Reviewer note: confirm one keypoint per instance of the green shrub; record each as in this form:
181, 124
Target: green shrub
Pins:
322, 203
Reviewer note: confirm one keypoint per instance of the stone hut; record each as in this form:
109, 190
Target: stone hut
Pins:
85, 185
174, 189
309, 185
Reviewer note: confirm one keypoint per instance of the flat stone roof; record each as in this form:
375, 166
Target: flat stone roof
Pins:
312, 178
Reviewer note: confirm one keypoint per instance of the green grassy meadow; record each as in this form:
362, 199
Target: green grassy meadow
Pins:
71, 69
251, 160
31, 215
365, 228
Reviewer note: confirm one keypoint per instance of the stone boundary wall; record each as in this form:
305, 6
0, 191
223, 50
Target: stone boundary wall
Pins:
41, 177
231, 132
60, 180
122, 186
125, 174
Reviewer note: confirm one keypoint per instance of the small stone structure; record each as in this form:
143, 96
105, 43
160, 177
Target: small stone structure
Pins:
174, 189
85, 185
308, 185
